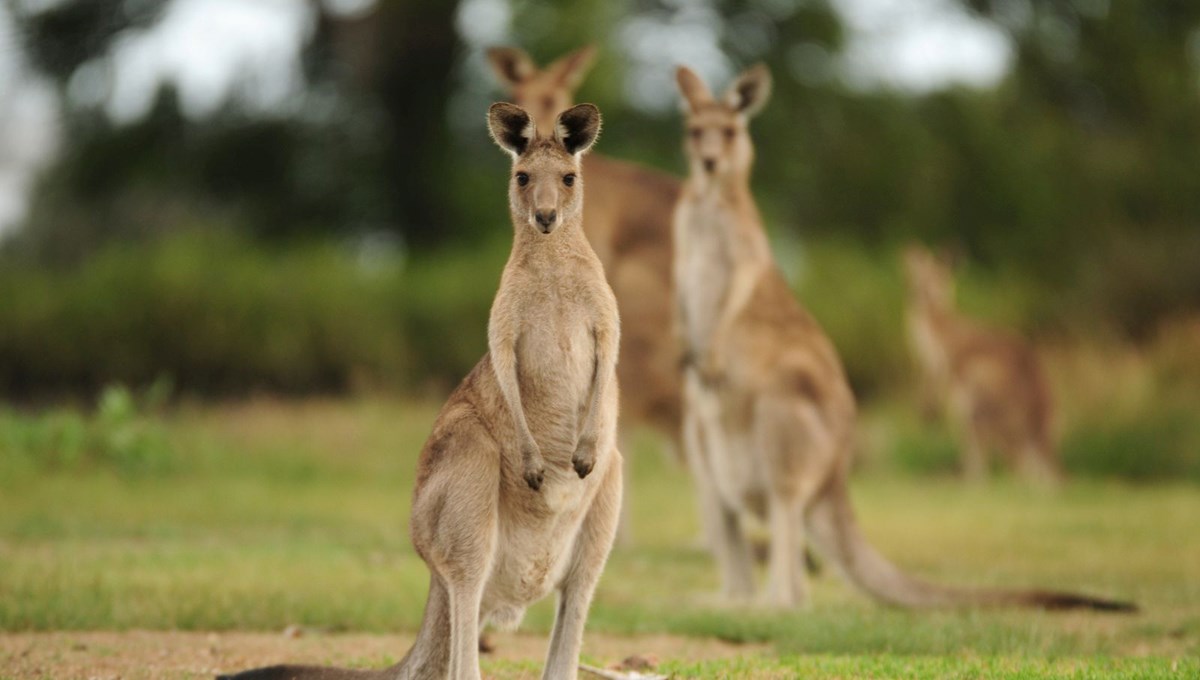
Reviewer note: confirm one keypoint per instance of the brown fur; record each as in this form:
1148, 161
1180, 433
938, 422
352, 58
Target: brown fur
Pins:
519, 484
627, 219
989, 383
769, 415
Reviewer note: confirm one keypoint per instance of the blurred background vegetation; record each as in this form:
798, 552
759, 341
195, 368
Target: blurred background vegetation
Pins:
346, 233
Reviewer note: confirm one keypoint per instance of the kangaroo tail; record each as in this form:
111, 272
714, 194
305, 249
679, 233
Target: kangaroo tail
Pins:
305, 673
834, 529
427, 658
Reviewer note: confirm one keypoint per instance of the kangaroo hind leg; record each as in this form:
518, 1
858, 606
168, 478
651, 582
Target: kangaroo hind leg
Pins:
591, 548
705, 441
798, 452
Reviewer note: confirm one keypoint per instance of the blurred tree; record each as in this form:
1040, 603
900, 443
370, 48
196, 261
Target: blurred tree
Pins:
1101, 107
397, 62
366, 150
1078, 168
60, 37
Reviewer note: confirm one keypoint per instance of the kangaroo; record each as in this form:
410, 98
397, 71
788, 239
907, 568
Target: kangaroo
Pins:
990, 384
627, 218
768, 413
518, 487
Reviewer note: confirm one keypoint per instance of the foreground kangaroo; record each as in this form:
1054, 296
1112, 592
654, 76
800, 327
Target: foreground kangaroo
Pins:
990, 384
518, 488
769, 415
627, 218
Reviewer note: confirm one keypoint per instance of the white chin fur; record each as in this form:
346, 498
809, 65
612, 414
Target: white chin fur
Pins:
543, 230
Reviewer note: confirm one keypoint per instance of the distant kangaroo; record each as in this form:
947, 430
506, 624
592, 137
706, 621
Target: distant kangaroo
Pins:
518, 488
769, 416
991, 384
627, 218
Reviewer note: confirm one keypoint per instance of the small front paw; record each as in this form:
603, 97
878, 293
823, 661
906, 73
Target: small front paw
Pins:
584, 459
535, 475
687, 359
583, 467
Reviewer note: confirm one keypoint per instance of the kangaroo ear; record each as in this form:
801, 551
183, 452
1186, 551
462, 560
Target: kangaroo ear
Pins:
750, 92
569, 70
577, 128
511, 64
510, 127
695, 92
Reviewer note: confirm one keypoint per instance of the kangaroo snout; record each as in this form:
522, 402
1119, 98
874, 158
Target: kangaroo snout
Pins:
545, 219
710, 164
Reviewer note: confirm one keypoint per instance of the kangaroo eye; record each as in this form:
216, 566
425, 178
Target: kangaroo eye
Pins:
522, 178
695, 133
569, 179
730, 132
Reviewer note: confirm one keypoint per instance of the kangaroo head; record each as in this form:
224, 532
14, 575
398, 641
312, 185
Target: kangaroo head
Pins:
545, 189
546, 92
717, 141
930, 278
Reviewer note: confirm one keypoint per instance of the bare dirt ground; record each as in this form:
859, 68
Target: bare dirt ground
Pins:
176, 655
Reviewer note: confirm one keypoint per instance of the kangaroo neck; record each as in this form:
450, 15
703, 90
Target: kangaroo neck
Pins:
730, 199
531, 246
940, 318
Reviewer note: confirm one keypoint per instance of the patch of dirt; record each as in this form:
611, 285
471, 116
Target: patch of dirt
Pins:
139, 655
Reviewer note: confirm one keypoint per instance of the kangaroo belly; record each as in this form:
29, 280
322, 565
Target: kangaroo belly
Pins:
534, 550
727, 444
741, 479
555, 365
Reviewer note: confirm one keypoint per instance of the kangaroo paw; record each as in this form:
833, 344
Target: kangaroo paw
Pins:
535, 474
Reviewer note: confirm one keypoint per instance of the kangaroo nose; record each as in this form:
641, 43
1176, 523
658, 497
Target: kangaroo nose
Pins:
710, 164
545, 218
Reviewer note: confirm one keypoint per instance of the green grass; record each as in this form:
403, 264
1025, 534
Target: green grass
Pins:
275, 514
954, 666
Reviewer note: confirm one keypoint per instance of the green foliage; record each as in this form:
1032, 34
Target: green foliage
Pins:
1163, 443
221, 315
930, 450
858, 298
120, 435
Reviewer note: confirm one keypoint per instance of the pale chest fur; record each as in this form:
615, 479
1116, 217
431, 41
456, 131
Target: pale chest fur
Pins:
556, 350
924, 341
928, 344
703, 266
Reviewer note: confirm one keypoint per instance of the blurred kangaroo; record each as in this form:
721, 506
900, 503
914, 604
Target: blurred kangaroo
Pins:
627, 218
989, 383
769, 415
518, 488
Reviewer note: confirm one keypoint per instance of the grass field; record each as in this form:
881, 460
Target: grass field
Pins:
262, 515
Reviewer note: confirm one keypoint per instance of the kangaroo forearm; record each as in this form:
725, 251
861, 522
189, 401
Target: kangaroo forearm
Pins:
505, 366
602, 376
738, 295
591, 424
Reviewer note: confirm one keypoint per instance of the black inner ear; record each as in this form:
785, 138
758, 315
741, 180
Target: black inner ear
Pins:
510, 67
581, 126
510, 126
747, 90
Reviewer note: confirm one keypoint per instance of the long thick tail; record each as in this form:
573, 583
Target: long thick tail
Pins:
835, 532
427, 658
307, 673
